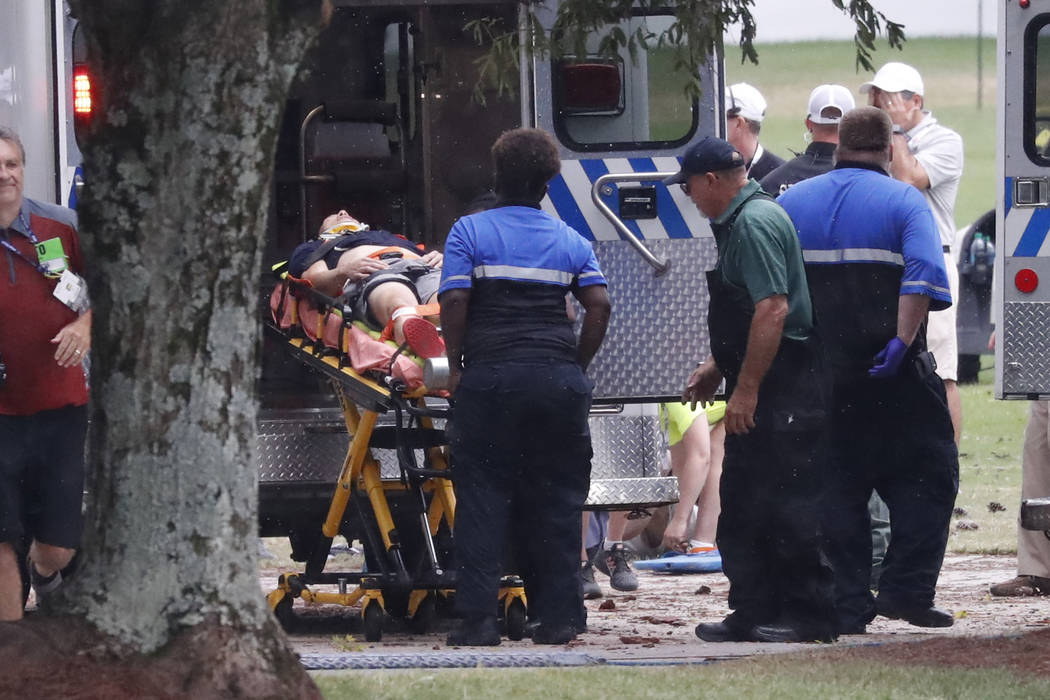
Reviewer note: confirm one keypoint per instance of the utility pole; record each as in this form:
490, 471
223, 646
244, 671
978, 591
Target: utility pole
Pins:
980, 62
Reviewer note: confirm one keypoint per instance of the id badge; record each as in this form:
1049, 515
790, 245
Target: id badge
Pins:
71, 290
50, 254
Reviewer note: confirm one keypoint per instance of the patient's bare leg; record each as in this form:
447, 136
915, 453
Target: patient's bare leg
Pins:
387, 298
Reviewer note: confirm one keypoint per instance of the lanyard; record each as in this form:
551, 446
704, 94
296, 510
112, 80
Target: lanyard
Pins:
32, 239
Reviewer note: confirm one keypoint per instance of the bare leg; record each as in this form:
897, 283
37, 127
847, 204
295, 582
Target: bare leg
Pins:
690, 462
10, 584
47, 559
710, 503
617, 526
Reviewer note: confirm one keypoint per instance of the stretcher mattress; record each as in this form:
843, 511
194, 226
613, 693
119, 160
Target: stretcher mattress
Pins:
296, 308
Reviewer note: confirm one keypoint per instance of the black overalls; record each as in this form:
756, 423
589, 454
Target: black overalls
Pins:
768, 531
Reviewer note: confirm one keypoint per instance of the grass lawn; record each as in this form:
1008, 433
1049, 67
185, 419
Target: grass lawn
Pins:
754, 678
989, 468
788, 72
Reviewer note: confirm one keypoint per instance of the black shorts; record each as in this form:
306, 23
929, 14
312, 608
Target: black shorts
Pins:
42, 476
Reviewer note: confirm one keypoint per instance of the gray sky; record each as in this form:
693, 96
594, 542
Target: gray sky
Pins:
800, 20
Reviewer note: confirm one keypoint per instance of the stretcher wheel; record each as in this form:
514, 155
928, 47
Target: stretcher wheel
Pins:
424, 617
284, 613
515, 620
373, 621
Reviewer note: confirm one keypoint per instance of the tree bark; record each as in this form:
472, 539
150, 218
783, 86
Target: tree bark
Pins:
173, 220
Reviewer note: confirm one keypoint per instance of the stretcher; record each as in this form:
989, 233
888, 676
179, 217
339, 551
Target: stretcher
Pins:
405, 523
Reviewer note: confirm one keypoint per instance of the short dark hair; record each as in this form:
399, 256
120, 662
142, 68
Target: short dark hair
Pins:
11, 136
524, 161
865, 129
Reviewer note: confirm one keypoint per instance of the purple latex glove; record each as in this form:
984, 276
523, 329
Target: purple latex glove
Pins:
889, 359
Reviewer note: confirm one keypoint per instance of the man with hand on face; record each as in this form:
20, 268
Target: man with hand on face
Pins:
764, 346
929, 156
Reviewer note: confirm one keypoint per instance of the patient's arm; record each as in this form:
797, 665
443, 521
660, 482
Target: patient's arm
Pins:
331, 282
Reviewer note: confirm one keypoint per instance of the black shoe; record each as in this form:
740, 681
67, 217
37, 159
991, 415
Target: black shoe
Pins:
918, 616
856, 628
553, 634
788, 634
613, 563
481, 632
591, 589
720, 632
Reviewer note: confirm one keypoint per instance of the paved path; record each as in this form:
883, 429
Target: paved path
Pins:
654, 625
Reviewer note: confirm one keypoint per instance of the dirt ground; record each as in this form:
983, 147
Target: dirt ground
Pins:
655, 625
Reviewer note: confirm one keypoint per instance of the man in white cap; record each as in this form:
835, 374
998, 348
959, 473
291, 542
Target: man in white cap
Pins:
827, 104
745, 110
930, 157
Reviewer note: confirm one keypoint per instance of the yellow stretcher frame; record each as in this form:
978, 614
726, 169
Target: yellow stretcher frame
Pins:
362, 400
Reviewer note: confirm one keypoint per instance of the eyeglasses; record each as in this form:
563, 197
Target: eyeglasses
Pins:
684, 186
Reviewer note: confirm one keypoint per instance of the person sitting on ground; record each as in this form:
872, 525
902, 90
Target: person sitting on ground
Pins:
384, 277
697, 442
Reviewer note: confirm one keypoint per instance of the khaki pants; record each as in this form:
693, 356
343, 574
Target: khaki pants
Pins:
1033, 547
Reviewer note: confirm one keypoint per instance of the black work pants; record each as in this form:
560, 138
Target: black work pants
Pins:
769, 529
893, 436
521, 463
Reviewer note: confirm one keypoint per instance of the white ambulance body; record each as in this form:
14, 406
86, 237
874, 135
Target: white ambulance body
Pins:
37, 95
1022, 354
382, 121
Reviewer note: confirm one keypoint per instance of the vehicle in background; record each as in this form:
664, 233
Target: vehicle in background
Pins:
45, 92
975, 261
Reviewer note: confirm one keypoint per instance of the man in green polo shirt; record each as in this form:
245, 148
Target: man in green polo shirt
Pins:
763, 344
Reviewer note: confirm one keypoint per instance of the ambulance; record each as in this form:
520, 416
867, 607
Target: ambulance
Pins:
45, 91
1022, 270
387, 119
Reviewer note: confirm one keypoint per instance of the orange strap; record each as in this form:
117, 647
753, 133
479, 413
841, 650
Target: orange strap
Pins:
406, 253
422, 310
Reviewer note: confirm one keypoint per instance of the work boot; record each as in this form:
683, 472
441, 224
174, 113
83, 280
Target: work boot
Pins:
720, 632
918, 616
591, 589
553, 634
613, 563
1021, 586
475, 632
787, 633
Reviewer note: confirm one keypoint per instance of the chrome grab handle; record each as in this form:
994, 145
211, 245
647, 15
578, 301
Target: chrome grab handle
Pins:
659, 266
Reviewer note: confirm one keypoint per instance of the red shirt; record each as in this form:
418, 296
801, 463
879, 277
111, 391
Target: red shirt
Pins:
30, 317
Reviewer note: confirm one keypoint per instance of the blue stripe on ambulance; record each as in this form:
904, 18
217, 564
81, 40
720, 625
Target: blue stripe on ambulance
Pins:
566, 207
670, 217
1034, 234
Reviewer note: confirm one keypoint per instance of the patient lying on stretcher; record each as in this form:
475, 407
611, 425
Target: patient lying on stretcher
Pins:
388, 280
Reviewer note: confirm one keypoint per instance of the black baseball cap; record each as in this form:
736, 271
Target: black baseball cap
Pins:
709, 155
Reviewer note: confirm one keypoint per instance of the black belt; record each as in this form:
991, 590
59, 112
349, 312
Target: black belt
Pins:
946, 249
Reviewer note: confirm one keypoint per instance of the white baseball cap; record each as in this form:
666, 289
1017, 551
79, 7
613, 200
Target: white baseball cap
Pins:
829, 96
896, 77
747, 100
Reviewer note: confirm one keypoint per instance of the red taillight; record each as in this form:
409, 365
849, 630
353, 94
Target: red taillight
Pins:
1024, 4
1026, 280
82, 102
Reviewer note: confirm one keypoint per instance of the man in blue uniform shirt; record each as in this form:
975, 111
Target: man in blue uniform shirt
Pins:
874, 262
521, 447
